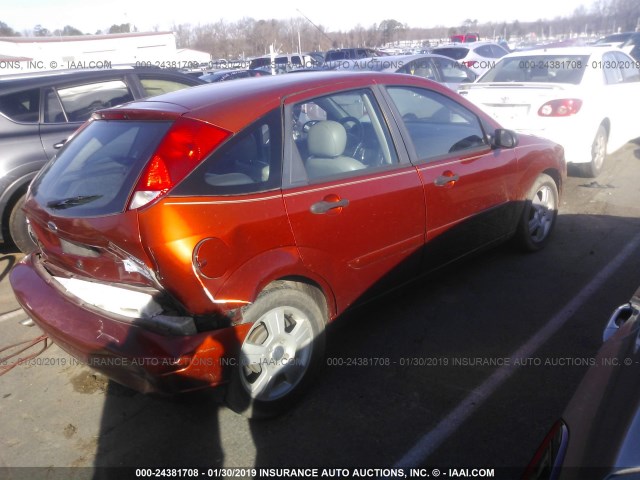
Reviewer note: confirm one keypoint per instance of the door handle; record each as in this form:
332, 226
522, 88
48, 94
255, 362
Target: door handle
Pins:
325, 206
447, 179
60, 144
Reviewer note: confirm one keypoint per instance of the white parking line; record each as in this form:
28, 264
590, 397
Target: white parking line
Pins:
16, 314
449, 425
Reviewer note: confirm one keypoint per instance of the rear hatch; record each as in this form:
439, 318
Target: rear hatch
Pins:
83, 206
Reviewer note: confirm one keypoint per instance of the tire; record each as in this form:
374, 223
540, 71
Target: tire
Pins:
538, 215
598, 154
18, 228
281, 353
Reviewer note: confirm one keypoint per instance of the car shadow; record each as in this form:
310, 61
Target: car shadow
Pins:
147, 431
390, 376
8, 258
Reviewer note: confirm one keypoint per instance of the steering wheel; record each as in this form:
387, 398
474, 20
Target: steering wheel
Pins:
355, 135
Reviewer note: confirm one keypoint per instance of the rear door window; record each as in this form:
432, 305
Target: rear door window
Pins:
157, 86
422, 67
628, 67
77, 103
612, 70
95, 173
22, 107
453, 72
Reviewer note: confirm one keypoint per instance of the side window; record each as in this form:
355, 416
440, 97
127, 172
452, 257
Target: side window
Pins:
453, 72
497, 52
628, 67
249, 162
485, 51
437, 125
53, 112
420, 68
612, 73
341, 134
158, 86
22, 107
80, 101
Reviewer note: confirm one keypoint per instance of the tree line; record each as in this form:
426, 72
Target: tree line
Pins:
250, 37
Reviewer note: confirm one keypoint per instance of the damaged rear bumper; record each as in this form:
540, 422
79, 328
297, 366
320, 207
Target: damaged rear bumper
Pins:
123, 348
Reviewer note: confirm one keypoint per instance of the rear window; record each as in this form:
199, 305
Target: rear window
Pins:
456, 53
539, 68
96, 171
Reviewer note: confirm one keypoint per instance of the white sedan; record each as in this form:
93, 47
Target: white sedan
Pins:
584, 98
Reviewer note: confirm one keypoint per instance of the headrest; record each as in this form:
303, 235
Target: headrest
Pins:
327, 139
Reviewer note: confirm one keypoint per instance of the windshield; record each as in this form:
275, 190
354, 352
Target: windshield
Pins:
538, 68
97, 170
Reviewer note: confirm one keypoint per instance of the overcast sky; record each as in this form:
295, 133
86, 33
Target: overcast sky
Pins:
90, 16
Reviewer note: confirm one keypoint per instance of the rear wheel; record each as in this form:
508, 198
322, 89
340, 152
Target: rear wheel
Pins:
598, 154
281, 353
539, 214
18, 228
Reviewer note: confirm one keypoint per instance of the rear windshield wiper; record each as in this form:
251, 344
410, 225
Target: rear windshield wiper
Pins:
72, 201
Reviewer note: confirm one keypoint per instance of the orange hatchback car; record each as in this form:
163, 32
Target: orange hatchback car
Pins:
208, 236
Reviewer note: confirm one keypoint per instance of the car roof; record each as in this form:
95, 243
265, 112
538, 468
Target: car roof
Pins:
468, 45
395, 60
21, 81
577, 50
235, 104
406, 58
615, 37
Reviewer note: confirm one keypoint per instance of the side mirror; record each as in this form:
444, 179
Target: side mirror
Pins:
503, 138
619, 316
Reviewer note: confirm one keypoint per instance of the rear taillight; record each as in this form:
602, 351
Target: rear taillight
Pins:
185, 145
560, 108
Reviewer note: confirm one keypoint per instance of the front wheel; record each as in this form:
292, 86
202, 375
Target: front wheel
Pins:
538, 215
281, 353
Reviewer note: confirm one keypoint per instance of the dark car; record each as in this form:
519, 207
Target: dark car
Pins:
614, 39
632, 46
39, 111
208, 236
598, 435
350, 54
